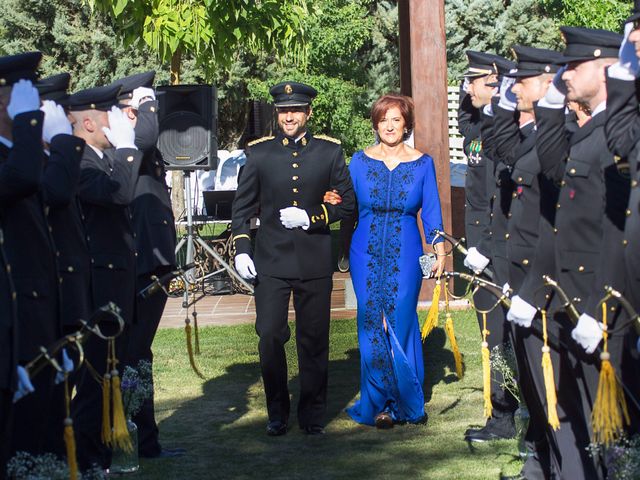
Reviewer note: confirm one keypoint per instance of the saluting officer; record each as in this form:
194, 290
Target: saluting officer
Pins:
63, 152
482, 73
155, 239
283, 183
106, 189
515, 137
31, 257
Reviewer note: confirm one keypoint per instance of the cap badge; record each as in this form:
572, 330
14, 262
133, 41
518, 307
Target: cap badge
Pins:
597, 52
547, 69
288, 89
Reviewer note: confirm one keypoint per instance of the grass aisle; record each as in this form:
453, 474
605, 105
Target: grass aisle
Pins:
221, 421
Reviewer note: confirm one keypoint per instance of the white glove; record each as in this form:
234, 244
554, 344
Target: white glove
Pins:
521, 313
488, 110
475, 260
294, 217
508, 100
627, 67
24, 98
141, 95
556, 93
506, 288
120, 132
245, 267
55, 121
25, 387
67, 366
465, 85
588, 333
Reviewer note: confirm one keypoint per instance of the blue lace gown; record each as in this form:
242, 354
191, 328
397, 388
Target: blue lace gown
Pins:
386, 277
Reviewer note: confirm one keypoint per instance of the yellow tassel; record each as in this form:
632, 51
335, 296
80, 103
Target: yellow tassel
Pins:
486, 369
196, 335
69, 437
549, 382
448, 327
70, 444
106, 409
121, 437
192, 360
610, 407
431, 321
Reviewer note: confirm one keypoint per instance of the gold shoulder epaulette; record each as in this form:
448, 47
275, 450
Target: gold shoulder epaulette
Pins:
259, 140
327, 138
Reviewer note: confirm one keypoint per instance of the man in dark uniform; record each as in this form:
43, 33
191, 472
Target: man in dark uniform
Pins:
283, 183
34, 275
155, 239
63, 153
589, 188
106, 189
479, 184
515, 145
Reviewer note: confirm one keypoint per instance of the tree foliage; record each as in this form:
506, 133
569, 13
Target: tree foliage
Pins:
606, 14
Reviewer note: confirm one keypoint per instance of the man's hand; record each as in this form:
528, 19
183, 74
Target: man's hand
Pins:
120, 132
475, 260
508, 100
55, 121
587, 333
24, 98
141, 95
245, 267
294, 217
556, 93
521, 313
332, 198
627, 67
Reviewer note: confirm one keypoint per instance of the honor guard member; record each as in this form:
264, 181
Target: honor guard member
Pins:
34, 275
106, 190
515, 145
63, 152
283, 183
155, 239
588, 213
481, 72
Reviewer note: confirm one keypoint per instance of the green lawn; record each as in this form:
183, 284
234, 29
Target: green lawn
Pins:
221, 420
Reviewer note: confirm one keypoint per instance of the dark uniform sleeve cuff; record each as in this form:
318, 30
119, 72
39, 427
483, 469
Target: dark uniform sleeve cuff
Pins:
318, 217
242, 243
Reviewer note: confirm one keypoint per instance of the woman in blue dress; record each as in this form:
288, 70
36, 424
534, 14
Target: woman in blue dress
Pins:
392, 182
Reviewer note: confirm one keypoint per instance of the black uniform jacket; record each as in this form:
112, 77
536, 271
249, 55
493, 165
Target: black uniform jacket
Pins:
8, 322
476, 183
106, 190
622, 130
27, 241
153, 222
281, 173
60, 185
590, 212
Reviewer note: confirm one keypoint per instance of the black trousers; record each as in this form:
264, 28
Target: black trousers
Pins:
504, 403
143, 331
312, 304
6, 414
86, 408
38, 418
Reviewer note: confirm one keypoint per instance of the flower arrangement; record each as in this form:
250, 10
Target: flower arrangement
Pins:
137, 386
24, 466
622, 458
503, 360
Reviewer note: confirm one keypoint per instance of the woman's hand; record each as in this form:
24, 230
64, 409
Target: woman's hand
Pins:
438, 267
332, 198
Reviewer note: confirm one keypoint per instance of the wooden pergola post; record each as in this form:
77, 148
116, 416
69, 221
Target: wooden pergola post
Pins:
423, 76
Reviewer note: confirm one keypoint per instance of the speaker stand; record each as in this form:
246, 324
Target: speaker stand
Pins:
193, 236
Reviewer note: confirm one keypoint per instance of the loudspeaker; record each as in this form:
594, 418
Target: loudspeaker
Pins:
188, 123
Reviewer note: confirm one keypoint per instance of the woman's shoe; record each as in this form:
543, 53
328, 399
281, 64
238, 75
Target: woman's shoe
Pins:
384, 421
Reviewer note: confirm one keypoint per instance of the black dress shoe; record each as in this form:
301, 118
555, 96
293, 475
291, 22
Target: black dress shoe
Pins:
495, 429
276, 428
313, 430
167, 453
383, 421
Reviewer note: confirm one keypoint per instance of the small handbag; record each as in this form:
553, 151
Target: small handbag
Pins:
426, 264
